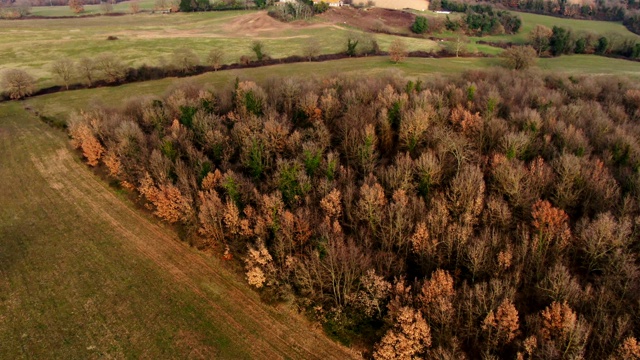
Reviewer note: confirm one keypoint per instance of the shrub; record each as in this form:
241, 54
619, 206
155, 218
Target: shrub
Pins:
18, 83
519, 57
420, 25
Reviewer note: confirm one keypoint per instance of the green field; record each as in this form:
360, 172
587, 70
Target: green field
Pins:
86, 275
152, 38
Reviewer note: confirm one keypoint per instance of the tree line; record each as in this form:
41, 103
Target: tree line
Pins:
608, 10
558, 41
492, 214
479, 20
108, 69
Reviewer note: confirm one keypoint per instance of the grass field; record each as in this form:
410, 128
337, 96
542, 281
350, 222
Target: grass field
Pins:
121, 7
152, 38
85, 275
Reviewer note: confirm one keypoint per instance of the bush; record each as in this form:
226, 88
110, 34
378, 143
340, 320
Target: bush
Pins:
320, 7
560, 41
258, 49
420, 25
603, 45
520, 57
18, 83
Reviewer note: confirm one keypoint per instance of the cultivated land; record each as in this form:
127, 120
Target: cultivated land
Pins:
84, 274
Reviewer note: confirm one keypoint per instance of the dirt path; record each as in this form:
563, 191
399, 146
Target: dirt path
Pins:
68, 192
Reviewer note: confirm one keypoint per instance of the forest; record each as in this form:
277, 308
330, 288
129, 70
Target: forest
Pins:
489, 214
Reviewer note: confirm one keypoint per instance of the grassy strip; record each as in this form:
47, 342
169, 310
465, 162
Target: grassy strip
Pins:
59, 105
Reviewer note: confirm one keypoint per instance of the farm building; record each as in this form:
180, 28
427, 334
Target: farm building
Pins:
421, 5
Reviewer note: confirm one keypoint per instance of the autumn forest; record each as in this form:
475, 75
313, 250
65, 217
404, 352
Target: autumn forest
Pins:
491, 214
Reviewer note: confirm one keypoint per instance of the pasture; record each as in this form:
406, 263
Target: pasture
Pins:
121, 7
84, 274
151, 39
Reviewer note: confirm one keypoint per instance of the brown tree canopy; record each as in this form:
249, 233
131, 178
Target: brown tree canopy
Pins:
492, 213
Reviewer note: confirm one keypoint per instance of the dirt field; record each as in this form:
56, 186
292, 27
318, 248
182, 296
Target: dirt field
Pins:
261, 22
84, 275
370, 19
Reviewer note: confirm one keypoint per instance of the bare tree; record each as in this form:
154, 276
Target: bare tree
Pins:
134, 7
23, 7
63, 69
458, 44
106, 6
112, 68
86, 69
311, 49
18, 83
185, 59
161, 5
215, 58
77, 6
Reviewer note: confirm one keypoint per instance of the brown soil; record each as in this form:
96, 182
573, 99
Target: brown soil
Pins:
374, 19
261, 22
